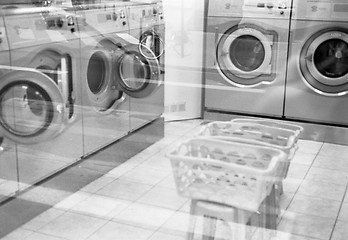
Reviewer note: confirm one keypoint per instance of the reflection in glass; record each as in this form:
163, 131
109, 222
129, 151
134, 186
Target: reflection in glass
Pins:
331, 58
134, 71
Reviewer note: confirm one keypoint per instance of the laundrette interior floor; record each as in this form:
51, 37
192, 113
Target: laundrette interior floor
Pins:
137, 200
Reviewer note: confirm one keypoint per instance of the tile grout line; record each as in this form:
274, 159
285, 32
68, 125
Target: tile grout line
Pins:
341, 205
292, 199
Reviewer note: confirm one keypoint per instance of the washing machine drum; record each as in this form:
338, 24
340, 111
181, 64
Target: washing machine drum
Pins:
137, 72
31, 107
324, 61
245, 55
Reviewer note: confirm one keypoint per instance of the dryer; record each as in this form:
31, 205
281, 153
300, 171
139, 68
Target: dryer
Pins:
245, 56
317, 80
142, 76
39, 101
8, 157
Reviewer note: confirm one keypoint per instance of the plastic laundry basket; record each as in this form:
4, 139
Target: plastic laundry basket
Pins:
255, 133
236, 174
296, 130
273, 123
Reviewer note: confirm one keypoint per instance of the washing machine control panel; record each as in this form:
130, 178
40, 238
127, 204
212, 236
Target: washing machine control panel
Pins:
143, 15
320, 10
30, 26
106, 18
250, 8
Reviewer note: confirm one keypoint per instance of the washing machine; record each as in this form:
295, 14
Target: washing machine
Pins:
39, 97
317, 80
8, 157
245, 56
143, 73
105, 107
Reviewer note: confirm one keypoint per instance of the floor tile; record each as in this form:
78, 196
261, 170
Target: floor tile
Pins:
143, 215
98, 184
163, 197
140, 198
40, 236
343, 215
306, 225
121, 170
177, 224
117, 231
73, 226
72, 200
304, 158
322, 190
291, 185
161, 163
297, 171
339, 163
18, 234
17, 212
122, 189
43, 219
178, 128
327, 175
315, 206
168, 182
285, 200
45, 195
334, 150
340, 232
146, 175
310, 147
100, 206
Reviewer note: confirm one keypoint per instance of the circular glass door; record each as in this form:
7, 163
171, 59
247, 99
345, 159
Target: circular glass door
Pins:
245, 54
138, 74
31, 107
324, 62
151, 40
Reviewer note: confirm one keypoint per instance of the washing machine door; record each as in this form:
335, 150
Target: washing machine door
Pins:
137, 72
324, 62
31, 107
244, 55
151, 40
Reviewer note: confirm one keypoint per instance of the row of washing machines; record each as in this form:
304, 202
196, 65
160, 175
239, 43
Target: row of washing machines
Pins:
278, 58
75, 76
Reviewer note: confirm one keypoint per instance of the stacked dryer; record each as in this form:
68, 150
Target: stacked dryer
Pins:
39, 113
317, 79
245, 64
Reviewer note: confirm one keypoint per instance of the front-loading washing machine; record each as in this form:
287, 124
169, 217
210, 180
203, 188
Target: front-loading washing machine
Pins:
142, 74
39, 97
105, 107
8, 157
245, 51
317, 80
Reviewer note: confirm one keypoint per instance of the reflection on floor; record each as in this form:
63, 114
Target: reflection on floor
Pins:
137, 200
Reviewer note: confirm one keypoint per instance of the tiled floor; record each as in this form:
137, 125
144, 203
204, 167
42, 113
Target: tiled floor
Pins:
138, 201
